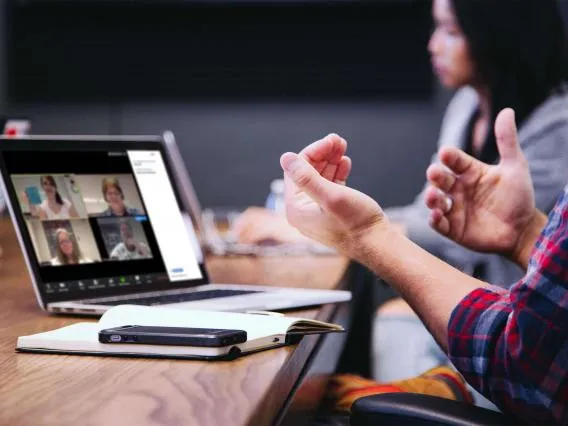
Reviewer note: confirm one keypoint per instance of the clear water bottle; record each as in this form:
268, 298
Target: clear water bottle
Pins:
275, 200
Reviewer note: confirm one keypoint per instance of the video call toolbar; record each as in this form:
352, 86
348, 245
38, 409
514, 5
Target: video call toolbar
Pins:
120, 281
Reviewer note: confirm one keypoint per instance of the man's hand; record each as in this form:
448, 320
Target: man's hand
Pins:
319, 204
324, 209
485, 208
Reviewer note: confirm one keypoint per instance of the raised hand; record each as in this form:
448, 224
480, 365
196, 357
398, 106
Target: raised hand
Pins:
319, 204
34, 211
486, 208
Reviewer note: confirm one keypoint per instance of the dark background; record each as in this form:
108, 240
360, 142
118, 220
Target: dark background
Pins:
238, 82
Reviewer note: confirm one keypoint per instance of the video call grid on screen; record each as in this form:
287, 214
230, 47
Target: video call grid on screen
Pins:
85, 218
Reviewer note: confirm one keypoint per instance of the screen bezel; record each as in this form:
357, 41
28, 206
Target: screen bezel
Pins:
82, 144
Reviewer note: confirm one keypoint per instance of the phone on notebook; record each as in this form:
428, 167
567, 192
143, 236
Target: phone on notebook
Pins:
179, 336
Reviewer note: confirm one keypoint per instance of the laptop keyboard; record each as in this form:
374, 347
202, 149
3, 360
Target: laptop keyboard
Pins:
178, 298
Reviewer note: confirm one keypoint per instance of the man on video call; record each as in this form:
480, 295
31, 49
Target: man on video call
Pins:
129, 248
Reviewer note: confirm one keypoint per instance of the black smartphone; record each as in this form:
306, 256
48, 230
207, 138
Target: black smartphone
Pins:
180, 336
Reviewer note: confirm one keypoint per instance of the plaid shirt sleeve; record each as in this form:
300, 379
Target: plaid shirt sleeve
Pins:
512, 345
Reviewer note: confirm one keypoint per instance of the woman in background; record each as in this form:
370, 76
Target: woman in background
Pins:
497, 54
509, 53
67, 250
114, 196
54, 207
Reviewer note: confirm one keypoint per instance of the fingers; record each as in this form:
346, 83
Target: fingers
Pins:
337, 173
440, 204
437, 200
506, 136
457, 161
329, 149
441, 177
439, 222
308, 180
343, 170
329, 171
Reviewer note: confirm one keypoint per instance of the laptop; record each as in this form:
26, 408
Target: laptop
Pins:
101, 223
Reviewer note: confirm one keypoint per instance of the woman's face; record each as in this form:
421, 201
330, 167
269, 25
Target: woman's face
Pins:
65, 243
114, 198
48, 186
449, 49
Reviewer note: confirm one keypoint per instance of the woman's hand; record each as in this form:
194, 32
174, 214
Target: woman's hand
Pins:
256, 225
34, 210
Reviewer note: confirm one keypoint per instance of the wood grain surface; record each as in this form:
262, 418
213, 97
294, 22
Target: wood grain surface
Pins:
86, 390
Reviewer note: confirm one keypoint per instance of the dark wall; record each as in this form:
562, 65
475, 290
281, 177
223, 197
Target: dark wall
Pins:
117, 50
361, 72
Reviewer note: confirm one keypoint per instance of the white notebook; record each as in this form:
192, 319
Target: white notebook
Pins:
264, 331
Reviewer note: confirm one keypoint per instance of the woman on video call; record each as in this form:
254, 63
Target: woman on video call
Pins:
68, 252
114, 196
54, 206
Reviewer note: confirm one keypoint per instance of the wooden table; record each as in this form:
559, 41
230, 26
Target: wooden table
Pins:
57, 389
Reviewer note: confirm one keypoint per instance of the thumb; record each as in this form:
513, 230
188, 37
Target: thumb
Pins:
506, 136
307, 179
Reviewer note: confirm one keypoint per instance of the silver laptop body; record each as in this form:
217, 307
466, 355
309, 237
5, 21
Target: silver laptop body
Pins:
100, 224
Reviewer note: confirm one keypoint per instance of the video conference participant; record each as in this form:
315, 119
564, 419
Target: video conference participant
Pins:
129, 248
67, 249
55, 206
114, 196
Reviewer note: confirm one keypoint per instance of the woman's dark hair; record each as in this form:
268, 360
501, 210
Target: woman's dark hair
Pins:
51, 181
518, 47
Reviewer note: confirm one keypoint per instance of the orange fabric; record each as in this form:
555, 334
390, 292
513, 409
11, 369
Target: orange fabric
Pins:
345, 389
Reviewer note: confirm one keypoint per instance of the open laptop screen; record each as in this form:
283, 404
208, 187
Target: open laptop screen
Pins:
98, 219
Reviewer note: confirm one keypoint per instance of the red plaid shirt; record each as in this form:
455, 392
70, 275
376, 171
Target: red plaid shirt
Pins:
512, 345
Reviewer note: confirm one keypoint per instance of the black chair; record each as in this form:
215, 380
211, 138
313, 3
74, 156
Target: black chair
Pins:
402, 409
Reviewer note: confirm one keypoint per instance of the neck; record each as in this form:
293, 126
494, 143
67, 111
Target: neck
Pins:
484, 102
119, 210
